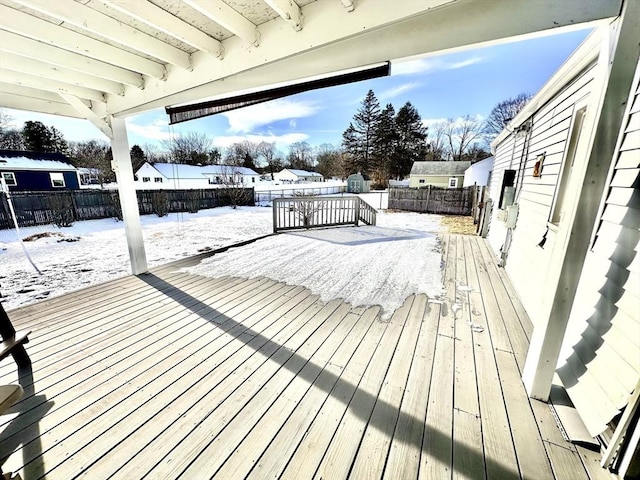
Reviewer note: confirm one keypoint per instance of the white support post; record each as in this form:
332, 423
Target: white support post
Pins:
127, 192
573, 240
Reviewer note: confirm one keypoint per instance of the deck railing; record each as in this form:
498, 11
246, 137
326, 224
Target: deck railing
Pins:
311, 212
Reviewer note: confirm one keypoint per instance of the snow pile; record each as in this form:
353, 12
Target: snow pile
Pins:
368, 265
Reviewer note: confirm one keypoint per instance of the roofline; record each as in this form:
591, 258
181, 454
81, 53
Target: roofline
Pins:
585, 55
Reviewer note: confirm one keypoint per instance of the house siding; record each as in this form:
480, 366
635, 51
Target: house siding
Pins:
41, 181
434, 180
527, 263
600, 360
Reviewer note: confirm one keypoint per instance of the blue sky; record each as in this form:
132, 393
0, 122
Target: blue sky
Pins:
440, 87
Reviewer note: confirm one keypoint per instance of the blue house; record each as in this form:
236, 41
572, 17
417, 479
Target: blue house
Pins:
37, 171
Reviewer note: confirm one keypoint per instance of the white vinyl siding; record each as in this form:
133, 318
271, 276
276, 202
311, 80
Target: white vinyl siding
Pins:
600, 361
527, 264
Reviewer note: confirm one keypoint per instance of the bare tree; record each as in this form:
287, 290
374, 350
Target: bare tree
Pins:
94, 155
300, 156
270, 155
243, 154
461, 134
233, 181
192, 148
437, 141
504, 112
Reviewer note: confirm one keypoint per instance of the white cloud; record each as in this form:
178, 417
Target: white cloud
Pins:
281, 141
430, 65
73, 129
428, 122
397, 90
157, 129
246, 119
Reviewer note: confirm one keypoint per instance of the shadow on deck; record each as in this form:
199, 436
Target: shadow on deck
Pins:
173, 375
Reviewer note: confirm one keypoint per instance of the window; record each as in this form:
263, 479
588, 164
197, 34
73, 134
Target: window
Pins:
157, 179
558, 206
146, 179
453, 182
253, 179
9, 179
508, 190
57, 179
422, 180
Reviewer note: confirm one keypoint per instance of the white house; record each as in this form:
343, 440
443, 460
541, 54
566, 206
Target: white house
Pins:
565, 225
478, 173
290, 175
178, 176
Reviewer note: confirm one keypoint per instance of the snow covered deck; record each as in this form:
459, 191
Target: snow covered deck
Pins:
175, 375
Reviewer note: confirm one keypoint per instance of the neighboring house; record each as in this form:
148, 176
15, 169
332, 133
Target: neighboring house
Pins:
37, 171
89, 177
438, 174
290, 175
565, 224
173, 176
358, 183
478, 173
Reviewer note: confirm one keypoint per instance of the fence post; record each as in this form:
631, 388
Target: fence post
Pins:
426, 208
357, 209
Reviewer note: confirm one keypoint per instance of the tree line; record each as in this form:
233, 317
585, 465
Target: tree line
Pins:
379, 142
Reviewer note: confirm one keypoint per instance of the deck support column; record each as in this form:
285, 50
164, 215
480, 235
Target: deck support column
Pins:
575, 231
127, 193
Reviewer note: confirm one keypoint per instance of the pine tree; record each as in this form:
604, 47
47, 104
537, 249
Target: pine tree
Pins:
359, 139
411, 140
385, 145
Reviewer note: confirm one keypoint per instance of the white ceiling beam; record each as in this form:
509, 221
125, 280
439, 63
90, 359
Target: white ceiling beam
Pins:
26, 25
31, 104
289, 11
227, 17
104, 26
11, 76
26, 47
38, 68
156, 17
13, 89
87, 113
350, 5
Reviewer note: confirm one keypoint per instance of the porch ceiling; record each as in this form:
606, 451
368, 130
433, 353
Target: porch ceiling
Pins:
94, 58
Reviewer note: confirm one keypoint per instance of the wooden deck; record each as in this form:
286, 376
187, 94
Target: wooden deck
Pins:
172, 375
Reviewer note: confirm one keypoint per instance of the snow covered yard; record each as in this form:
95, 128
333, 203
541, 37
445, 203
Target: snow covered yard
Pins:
365, 265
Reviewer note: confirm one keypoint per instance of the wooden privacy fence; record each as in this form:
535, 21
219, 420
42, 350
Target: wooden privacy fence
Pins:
41, 208
452, 201
310, 212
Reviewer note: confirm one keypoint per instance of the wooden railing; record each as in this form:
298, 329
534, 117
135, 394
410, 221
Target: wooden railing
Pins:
310, 212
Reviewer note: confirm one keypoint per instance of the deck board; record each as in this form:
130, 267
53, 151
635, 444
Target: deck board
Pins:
175, 375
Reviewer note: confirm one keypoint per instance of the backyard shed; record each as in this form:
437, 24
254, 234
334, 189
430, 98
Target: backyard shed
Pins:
438, 174
358, 183
37, 171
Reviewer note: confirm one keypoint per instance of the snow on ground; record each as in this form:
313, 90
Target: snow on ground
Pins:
99, 252
365, 265
368, 265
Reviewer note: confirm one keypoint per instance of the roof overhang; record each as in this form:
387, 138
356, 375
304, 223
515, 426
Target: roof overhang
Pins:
95, 58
